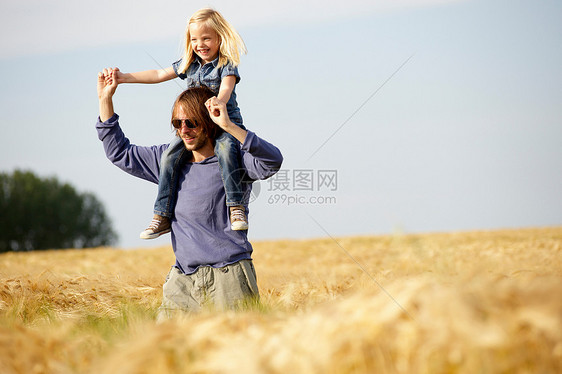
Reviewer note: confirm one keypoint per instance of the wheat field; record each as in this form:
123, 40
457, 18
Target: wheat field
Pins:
468, 302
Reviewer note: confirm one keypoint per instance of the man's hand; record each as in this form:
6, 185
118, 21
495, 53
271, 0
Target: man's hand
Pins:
107, 83
219, 115
217, 112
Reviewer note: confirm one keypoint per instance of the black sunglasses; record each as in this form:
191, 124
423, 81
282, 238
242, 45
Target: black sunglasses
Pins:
188, 123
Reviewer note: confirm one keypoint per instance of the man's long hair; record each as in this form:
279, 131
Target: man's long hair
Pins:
192, 101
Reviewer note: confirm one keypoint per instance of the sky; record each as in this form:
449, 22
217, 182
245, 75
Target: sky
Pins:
392, 116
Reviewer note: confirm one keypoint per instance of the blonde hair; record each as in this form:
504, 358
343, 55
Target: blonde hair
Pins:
231, 43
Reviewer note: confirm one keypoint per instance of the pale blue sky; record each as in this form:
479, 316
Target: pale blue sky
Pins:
466, 135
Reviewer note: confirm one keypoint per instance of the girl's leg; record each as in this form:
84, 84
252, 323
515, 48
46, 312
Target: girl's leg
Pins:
170, 161
227, 149
167, 181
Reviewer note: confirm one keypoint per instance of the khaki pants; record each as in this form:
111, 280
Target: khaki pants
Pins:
228, 287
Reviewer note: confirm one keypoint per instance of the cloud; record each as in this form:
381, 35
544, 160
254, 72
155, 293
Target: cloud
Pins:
36, 26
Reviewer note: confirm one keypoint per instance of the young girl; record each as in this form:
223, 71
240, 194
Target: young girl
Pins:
212, 54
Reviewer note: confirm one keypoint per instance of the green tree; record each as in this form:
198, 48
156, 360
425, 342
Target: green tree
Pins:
40, 213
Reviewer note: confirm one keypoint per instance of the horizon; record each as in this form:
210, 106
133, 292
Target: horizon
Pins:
434, 117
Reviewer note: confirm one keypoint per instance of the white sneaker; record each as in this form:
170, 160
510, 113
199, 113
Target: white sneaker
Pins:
158, 226
238, 220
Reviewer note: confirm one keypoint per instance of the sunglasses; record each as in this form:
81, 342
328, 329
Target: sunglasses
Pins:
177, 123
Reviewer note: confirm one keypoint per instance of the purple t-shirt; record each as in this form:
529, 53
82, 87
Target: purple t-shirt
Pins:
201, 234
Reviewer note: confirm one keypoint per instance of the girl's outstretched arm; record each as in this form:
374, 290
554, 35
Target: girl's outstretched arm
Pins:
148, 76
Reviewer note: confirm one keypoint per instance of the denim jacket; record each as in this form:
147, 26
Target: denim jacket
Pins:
211, 75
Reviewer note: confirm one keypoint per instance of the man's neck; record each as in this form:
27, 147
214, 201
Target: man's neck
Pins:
202, 153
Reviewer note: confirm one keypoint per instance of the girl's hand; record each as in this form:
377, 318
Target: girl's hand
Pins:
111, 74
120, 77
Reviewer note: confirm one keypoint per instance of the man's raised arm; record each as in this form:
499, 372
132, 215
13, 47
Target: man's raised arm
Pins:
260, 158
142, 162
107, 84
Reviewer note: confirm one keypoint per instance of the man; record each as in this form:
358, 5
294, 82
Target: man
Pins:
213, 263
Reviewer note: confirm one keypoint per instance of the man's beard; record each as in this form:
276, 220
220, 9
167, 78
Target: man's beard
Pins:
200, 142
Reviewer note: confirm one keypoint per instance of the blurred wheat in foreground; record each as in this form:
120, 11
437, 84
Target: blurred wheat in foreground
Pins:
476, 302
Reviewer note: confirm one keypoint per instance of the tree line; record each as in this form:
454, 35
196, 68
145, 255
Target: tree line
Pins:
43, 213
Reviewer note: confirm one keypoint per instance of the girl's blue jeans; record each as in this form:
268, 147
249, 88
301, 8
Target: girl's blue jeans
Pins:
227, 150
